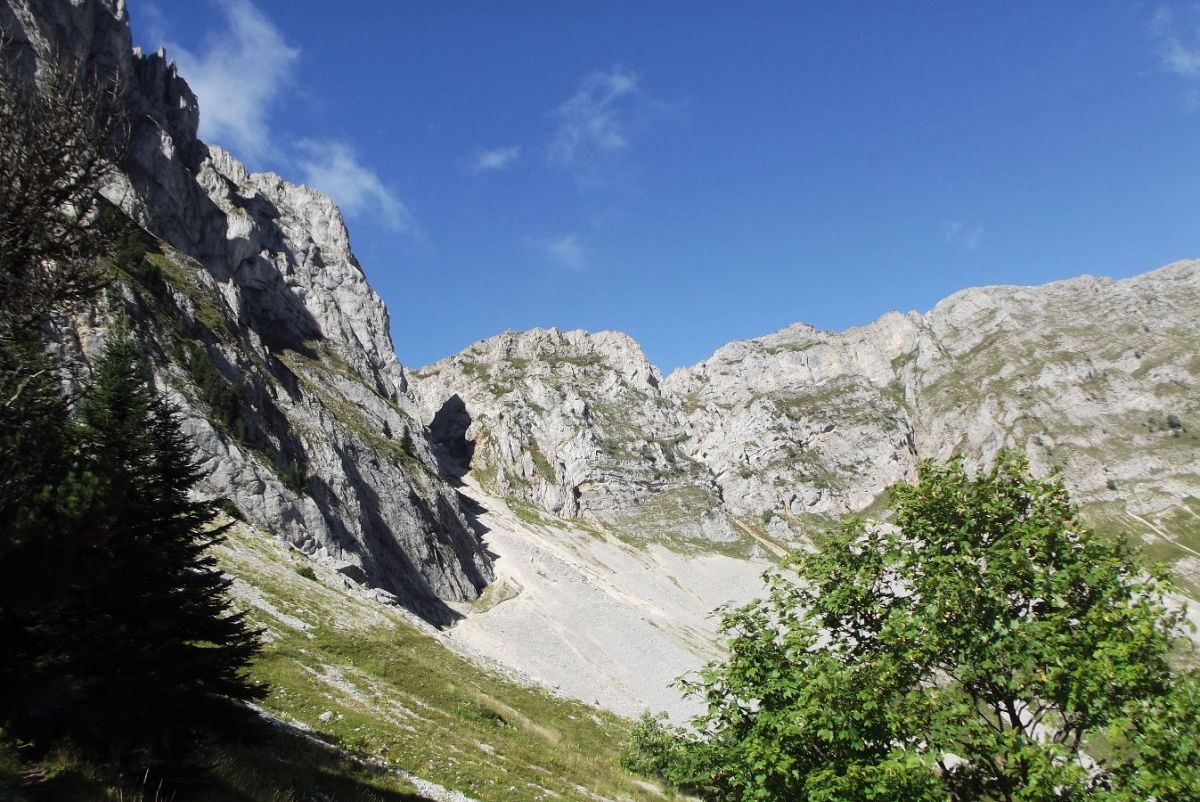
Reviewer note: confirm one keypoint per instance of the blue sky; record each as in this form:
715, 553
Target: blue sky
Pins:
697, 172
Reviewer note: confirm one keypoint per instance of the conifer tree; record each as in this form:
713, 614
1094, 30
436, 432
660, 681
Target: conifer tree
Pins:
42, 501
117, 629
158, 656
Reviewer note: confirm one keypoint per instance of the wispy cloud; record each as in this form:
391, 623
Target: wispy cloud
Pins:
564, 251
485, 160
238, 75
595, 123
967, 236
152, 24
1178, 42
334, 168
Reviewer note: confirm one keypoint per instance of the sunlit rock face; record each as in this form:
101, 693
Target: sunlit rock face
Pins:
575, 424
1095, 379
252, 286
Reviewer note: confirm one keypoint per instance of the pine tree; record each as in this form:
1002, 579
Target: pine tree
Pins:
158, 651
120, 631
42, 501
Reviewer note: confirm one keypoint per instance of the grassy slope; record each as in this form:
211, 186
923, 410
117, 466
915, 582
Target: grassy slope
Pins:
281, 768
397, 694
359, 675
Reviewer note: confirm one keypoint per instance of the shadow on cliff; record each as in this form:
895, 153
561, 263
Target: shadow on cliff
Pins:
448, 433
385, 560
454, 452
177, 209
249, 249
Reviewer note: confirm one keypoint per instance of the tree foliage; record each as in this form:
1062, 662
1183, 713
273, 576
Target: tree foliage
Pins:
986, 647
121, 634
60, 139
115, 628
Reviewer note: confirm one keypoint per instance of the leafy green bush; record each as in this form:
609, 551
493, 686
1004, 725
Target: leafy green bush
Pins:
975, 651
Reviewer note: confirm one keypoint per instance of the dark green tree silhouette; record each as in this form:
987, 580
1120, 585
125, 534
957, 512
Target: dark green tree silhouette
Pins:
42, 501
124, 640
160, 657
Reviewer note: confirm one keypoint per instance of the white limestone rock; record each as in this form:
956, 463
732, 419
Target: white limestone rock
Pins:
255, 278
575, 424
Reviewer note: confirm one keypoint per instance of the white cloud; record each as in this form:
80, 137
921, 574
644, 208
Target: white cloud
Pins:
1181, 60
237, 76
962, 235
333, 167
492, 159
594, 124
1178, 43
151, 24
564, 250
240, 72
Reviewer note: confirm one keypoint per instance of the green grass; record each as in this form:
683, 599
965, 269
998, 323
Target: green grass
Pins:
531, 515
540, 463
790, 347
486, 475
578, 360
665, 518
398, 452
397, 694
1171, 537
280, 766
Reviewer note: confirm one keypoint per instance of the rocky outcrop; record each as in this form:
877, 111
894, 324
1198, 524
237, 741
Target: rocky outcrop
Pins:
803, 424
263, 328
1093, 378
575, 424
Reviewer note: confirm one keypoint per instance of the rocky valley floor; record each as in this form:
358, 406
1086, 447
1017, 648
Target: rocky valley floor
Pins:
596, 617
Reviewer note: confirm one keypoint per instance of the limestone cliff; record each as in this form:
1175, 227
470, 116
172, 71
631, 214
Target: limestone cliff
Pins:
263, 328
1094, 378
1091, 377
576, 424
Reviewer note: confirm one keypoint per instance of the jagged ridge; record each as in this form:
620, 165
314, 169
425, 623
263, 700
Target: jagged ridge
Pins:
1093, 378
251, 300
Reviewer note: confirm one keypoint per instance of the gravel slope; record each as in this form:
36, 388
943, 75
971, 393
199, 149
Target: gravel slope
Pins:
596, 618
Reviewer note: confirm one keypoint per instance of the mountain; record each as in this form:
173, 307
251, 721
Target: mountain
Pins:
576, 424
574, 513
782, 435
263, 329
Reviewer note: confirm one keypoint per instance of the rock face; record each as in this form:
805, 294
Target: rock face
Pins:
801, 423
1096, 379
263, 328
575, 424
